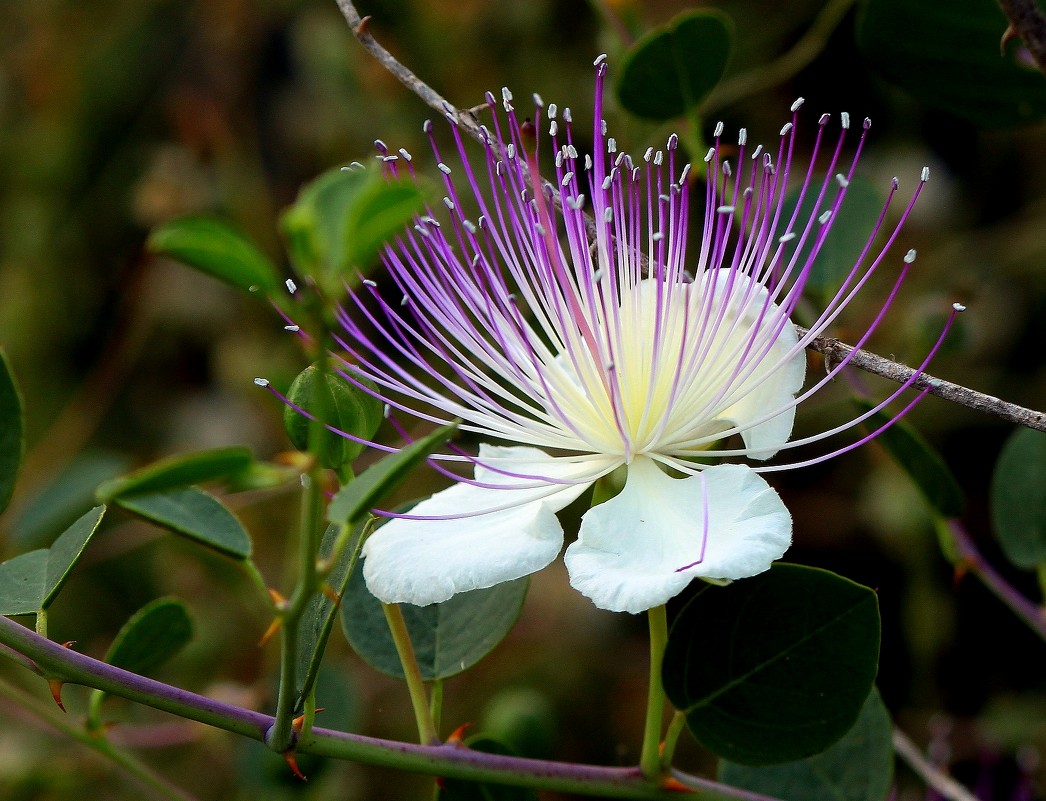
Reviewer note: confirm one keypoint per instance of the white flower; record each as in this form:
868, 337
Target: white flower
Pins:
590, 348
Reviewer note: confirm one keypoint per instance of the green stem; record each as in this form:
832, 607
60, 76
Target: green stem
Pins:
41, 622
310, 535
97, 743
675, 728
411, 673
650, 757
436, 704
781, 69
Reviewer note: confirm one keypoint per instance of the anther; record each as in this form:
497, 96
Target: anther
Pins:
366, 282
294, 329
657, 237
600, 59
443, 168
784, 238
538, 101
924, 176
867, 123
553, 128
725, 210
390, 158
380, 146
506, 97
611, 145
798, 104
552, 111
606, 183
718, 130
603, 127
727, 171
823, 120
841, 180
566, 115
404, 300
566, 179
844, 120
756, 152
673, 142
787, 127
958, 307
825, 217
261, 382
608, 215
709, 154
426, 126
406, 156
909, 257
510, 151
659, 158
448, 203
469, 226
742, 137
588, 162
291, 286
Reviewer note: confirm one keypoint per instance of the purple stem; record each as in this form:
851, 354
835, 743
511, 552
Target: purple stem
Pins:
449, 760
972, 559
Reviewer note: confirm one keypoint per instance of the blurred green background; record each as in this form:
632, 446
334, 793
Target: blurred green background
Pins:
116, 116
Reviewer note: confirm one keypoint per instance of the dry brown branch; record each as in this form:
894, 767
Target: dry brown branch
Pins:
832, 348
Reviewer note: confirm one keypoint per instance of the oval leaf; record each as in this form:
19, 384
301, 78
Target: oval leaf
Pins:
344, 406
674, 67
216, 248
857, 217
340, 219
193, 514
776, 667
178, 471
363, 493
22, 583
1018, 498
72, 492
857, 768
946, 54
65, 553
448, 637
919, 460
154, 634
12, 432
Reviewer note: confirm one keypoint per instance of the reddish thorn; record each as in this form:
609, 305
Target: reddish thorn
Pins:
458, 735
69, 643
56, 686
292, 761
331, 594
277, 599
269, 632
297, 723
672, 783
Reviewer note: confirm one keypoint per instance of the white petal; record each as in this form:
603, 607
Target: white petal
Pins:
776, 390
644, 545
427, 561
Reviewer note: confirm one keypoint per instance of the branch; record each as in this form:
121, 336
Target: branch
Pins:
1028, 23
971, 559
831, 348
452, 761
940, 781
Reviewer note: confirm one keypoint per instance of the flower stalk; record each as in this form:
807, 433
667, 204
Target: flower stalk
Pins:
650, 756
411, 673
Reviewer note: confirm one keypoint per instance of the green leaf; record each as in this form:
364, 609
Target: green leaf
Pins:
154, 634
363, 493
776, 667
448, 637
461, 790
216, 248
346, 408
22, 581
1018, 498
340, 220
674, 67
12, 432
946, 54
919, 460
193, 514
857, 768
317, 621
178, 471
65, 553
58, 505
851, 226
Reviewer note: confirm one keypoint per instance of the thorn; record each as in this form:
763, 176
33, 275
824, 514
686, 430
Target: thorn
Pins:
269, 632
672, 783
69, 643
56, 686
363, 29
291, 758
277, 599
457, 737
332, 596
1008, 36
